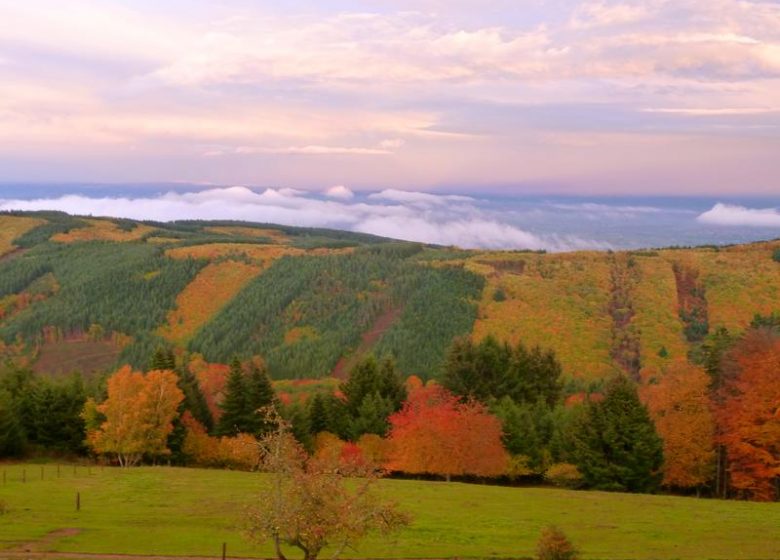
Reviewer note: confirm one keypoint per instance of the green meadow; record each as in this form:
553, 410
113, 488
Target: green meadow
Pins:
181, 512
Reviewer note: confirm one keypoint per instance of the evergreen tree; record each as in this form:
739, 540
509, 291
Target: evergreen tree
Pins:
194, 400
234, 404
532, 376
528, 429
163, 358
459, 374
318, 414
616, 444
260, 394
373, 392
11, 435
56, 414
372, 416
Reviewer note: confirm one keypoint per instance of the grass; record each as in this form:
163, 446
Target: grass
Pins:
162, 510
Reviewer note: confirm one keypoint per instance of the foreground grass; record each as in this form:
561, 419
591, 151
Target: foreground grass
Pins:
161, 510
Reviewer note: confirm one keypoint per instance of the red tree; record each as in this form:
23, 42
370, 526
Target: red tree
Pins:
435, 433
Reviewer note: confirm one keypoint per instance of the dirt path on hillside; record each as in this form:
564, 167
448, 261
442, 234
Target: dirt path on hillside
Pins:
367, 341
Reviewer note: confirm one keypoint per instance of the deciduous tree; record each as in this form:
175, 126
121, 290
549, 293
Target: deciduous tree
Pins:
679, 403
749, 418
436, 433
309, 509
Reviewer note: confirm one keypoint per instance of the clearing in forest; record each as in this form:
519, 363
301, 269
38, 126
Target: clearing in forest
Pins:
214, 286
102, 230
243, 231
76, 354
12, 227
249, 251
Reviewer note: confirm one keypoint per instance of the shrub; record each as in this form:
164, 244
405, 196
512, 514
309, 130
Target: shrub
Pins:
554, 545
564, 475
776, 255
499, 295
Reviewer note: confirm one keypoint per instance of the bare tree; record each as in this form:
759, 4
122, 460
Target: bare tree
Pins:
309, 508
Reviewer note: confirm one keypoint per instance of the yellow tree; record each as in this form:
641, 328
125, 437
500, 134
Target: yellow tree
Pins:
679, 403
137, 416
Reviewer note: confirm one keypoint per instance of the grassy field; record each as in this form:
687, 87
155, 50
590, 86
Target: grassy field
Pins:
161, 510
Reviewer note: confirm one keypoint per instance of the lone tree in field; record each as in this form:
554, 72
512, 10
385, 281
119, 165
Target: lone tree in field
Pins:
308, 508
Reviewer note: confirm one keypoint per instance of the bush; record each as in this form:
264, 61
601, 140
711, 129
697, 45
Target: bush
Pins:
554, 545
776, 255
564, 475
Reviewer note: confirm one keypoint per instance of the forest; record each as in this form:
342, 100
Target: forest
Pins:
640, 371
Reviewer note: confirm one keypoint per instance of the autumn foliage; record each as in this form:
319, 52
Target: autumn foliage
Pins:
749, 420
435, 433
136, 418
679, 404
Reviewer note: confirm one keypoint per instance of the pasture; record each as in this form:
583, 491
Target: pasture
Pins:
191, 512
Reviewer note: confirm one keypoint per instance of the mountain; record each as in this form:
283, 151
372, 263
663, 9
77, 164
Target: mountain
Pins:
88, 293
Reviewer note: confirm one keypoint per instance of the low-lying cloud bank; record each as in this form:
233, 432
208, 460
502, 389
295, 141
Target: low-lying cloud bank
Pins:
424, 217
732, 215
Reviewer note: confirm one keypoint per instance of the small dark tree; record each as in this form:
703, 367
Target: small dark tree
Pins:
318, 414
11, 435
162, 359
616, 444
776, 255
234, 404
260, 395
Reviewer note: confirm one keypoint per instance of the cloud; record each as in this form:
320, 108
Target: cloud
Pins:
339, 191
314, 151
414, 216
732, 215
412, 197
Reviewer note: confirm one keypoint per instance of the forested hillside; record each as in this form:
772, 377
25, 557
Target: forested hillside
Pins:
81, 293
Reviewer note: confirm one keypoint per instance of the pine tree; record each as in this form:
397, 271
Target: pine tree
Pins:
318, 414
260, 394
616, 444
372, 416
234, 404
11, 435
162, 359
194, 400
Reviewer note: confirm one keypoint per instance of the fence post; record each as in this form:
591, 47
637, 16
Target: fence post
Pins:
224, 550
24, 475
78, 501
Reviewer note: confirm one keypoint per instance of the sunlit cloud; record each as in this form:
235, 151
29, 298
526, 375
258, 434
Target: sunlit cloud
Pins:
732, 215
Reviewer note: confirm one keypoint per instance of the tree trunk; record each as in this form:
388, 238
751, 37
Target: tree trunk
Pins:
279, 554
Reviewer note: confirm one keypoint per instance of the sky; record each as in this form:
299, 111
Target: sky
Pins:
488, 97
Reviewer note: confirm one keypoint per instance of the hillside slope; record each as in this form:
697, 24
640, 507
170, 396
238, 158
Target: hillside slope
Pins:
309, 300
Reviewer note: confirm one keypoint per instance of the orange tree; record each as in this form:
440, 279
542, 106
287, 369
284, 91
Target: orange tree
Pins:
749, 419
679, 405
136, 418
436, 433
